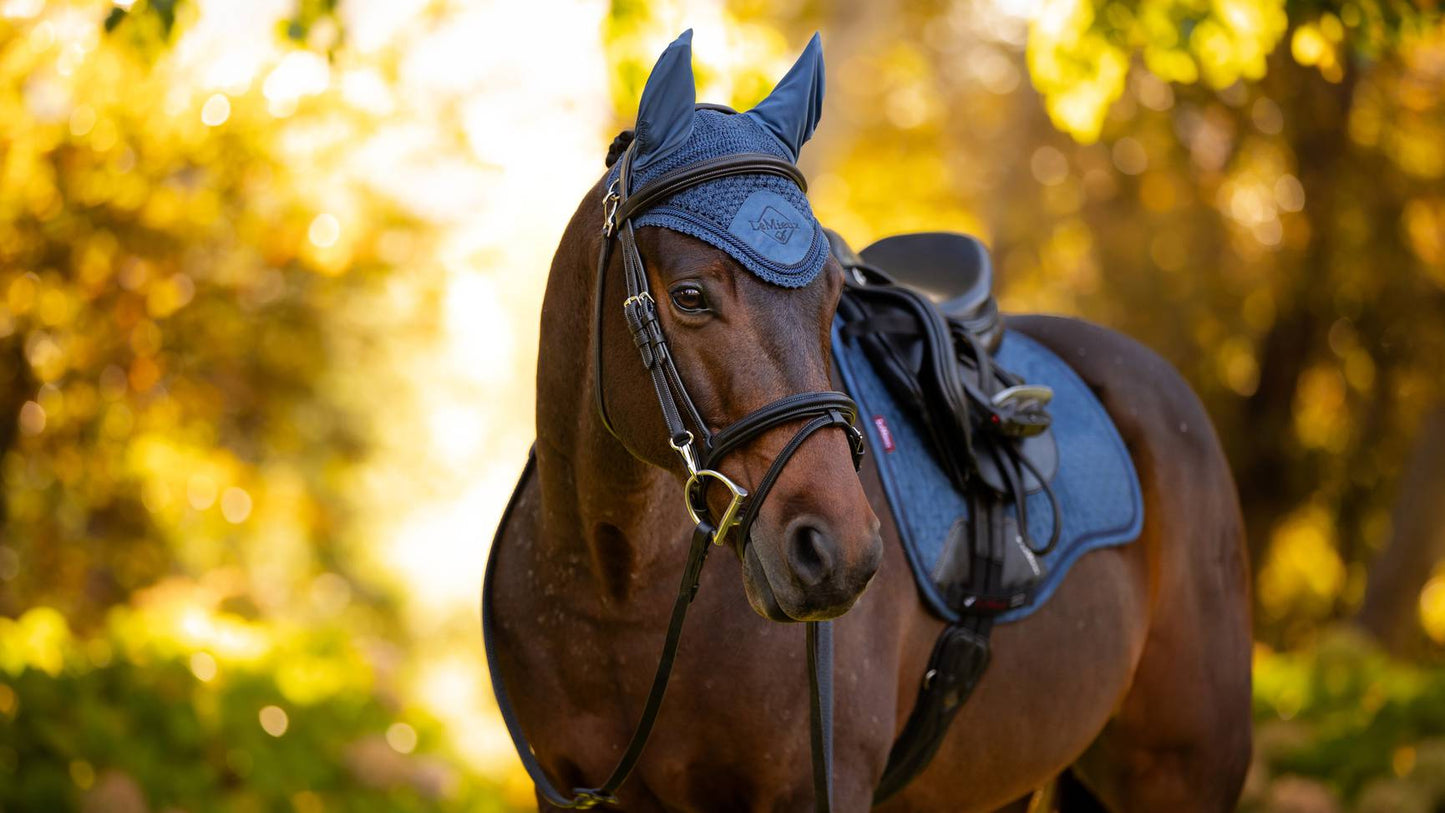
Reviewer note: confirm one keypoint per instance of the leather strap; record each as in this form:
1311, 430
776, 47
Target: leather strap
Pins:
679, 413
765, 485
820, 711
777, 413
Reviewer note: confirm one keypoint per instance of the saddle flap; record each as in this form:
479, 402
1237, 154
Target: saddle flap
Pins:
952, 269
1041, 451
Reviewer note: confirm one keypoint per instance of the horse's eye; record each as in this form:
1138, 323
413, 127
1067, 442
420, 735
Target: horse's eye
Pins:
689, 299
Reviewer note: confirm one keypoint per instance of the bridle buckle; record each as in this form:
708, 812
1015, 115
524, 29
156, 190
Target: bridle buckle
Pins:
684, 450
643, 300
610, 202
588, 798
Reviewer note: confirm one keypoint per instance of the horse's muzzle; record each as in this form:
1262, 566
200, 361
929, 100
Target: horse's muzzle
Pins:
806, 575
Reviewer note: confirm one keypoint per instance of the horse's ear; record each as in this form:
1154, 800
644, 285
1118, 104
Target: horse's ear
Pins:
664, 115
792, 110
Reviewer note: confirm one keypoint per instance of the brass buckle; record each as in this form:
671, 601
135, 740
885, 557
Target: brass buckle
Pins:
694, 492
639, 300
684, 449
588, 798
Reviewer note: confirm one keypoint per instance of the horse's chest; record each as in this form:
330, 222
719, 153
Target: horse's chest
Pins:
732, 733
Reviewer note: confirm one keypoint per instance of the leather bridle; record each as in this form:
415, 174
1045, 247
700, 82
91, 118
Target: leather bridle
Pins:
688, 434
701, 450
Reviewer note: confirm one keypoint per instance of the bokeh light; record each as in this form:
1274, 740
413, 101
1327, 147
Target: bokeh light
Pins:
274, 720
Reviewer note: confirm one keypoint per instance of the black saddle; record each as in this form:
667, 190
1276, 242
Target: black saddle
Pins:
953, 270
891, 283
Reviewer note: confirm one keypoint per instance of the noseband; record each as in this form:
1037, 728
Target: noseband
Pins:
701, 450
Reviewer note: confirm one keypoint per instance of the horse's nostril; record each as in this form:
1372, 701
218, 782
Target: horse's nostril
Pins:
809, 553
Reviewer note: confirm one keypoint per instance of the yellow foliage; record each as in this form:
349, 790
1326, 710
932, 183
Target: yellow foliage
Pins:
1079, 59
1424, 222
1238, 366
40, 639
1310, 45
1321, 417
1076, 68
1303, 571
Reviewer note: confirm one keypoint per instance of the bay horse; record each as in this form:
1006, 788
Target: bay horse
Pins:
1132, 683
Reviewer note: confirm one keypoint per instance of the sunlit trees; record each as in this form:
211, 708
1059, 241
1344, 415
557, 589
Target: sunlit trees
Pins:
165, 299
195, 308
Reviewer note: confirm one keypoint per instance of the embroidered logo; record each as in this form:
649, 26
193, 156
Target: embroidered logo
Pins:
773, 229
772, 223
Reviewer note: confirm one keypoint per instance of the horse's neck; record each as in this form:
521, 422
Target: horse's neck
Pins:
601, 507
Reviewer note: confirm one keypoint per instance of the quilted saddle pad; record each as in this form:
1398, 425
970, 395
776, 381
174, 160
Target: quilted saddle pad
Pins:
1096, 485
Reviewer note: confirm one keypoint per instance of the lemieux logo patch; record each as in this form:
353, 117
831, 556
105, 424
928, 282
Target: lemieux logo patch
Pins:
775, 225
770, 225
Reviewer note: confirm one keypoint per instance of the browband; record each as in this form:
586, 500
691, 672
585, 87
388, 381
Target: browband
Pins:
744, 163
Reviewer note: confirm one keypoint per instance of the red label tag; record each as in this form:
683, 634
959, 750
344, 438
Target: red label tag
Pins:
883, 433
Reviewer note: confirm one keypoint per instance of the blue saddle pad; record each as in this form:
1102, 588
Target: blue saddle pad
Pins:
1096, 485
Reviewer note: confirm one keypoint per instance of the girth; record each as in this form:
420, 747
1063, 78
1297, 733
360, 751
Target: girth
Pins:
700, 450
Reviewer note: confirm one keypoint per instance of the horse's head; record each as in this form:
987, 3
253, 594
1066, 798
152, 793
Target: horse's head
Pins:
745, 292
741, 344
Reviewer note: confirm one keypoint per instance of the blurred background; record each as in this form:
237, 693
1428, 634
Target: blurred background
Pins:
270, 273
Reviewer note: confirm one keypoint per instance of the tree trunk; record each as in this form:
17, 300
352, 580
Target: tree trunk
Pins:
1417, 542
1273, 477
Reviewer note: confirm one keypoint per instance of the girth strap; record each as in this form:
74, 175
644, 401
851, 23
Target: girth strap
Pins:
958, 662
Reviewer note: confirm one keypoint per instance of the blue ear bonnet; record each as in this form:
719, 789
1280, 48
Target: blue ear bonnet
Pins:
762, 221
